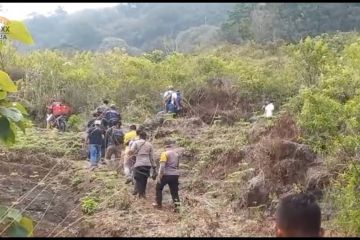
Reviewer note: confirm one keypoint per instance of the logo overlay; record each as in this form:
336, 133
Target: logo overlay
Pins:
4, 29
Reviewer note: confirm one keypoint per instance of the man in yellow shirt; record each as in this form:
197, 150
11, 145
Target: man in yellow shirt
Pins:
128, 158
131, 135
168, 175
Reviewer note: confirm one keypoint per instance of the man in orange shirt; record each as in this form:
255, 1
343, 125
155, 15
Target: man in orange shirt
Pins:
50, 115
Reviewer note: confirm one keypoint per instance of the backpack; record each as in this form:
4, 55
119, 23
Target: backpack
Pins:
91, 131
117, 136
112, 115
178, 99
171, 108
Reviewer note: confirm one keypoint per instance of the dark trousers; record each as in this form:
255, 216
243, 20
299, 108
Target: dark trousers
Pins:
141, 175
103, 149
173, 182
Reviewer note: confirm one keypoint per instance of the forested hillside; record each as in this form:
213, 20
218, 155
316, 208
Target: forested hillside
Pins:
266, 22
140, 27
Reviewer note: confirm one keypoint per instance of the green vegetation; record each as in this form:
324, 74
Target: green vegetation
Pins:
187, 27
12, 222
314, 77
347, 200
11, 113
89, 205
136, 27
267, 22
53, 143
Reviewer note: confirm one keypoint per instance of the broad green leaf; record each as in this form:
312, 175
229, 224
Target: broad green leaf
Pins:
14, 214
27, 224
18, 31
3, 94
11, 113
6, 132
16, 230
20, 107
22, 125
6, 83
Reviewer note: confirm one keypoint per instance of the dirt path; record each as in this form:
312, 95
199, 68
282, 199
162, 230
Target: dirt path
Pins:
38, 186
198, 216
57, 202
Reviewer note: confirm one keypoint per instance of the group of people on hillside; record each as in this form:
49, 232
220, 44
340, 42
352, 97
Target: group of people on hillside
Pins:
298, 215
104, 133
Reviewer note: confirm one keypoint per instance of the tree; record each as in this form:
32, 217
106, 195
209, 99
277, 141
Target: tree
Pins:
237, 26
197, 38
288, 21
11, 115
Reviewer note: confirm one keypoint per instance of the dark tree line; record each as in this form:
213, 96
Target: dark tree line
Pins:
289, 21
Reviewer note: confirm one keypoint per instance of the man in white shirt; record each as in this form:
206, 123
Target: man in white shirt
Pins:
269, 108
169, 97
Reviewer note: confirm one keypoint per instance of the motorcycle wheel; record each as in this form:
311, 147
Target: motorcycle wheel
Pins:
62, 126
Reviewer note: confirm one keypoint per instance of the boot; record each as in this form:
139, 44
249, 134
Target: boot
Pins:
157, 206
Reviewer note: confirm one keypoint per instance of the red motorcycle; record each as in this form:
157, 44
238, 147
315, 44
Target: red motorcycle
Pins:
60, 112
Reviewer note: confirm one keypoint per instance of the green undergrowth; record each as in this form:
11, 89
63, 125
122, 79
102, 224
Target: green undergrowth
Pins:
214, 142
49, 141
104, 189
343, 201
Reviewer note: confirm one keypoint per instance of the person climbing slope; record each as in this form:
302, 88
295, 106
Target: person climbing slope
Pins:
112, 116
91, 122
94, 140
144, 153
178, 102
168, 175
103, 107
129, 159
269, 108
169, 99
114, 140
50, 111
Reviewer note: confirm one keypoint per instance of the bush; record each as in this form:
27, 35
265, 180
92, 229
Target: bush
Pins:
320, 119
89, 205
346, 195
75, 122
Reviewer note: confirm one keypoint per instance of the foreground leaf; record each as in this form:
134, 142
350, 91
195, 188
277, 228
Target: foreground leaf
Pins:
3, 95
6, 84
11, 113
20, 107
27, 224
16, 230
18, 31
6, 132
14, 214
22, 125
